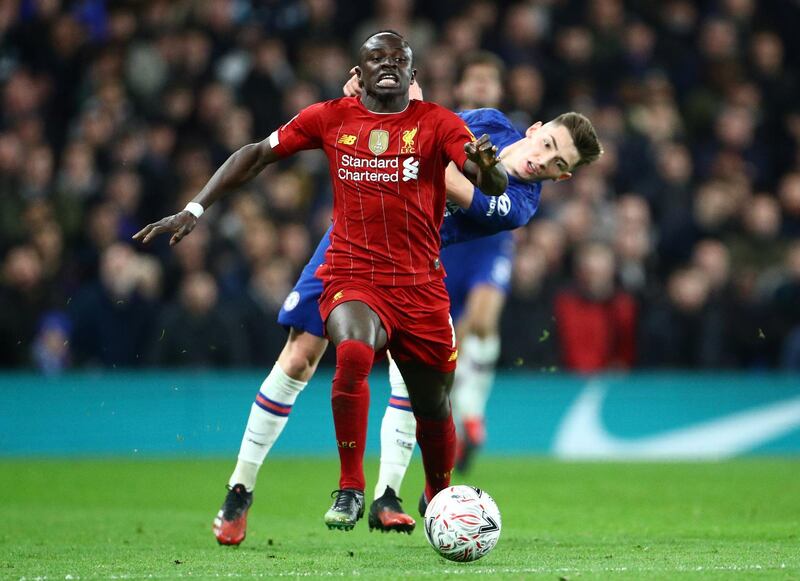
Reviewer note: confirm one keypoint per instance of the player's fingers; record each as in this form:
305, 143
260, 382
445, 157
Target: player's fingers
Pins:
176, 237
143, 232
487, 146
155, 231
179, 235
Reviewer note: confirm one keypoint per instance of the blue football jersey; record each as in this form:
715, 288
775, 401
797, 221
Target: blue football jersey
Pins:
491, 215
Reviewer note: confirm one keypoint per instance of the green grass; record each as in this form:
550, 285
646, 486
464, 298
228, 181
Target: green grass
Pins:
70, 519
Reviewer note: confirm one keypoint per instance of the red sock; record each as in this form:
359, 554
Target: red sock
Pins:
350, 402
437, 442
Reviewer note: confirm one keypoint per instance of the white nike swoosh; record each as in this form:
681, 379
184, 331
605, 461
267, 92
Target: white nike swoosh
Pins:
581, 434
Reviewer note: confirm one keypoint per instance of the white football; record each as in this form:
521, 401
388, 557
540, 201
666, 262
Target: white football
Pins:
462, 523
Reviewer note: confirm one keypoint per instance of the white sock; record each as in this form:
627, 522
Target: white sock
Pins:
398, 435
474, 376
268, 417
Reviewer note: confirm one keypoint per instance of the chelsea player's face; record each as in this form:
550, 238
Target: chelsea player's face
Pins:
548, 152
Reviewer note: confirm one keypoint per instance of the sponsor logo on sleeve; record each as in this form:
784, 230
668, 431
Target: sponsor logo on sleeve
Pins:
501, 204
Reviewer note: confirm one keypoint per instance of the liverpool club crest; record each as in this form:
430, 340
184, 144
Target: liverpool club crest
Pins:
408, 141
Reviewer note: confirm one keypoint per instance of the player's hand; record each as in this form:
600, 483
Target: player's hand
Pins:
351, 87
482, 152
415, 92
179, 225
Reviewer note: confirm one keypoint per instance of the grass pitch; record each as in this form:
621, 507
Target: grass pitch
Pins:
128, 519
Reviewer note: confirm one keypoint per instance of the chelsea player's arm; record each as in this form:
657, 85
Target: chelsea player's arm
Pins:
494, 214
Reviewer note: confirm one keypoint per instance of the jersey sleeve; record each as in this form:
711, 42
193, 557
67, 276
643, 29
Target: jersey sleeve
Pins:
512, 209
454, 134
489, 121
489, 215
303, 131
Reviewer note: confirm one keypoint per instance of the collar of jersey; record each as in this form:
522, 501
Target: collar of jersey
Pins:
360, 104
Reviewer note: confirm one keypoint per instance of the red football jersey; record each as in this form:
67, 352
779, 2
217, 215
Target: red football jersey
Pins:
388, 182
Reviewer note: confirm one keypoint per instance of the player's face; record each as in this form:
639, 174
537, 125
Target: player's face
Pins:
384, 68
546, 153
481, 86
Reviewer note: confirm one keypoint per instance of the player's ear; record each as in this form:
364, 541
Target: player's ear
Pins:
413, 75
564, 176
357, 72
533, 128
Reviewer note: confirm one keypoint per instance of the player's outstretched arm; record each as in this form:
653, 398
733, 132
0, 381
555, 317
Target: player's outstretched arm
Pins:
483, 167
520, 206
241, 167
460, 190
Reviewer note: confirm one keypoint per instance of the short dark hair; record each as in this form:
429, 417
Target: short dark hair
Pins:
583, 136
386, 31
481, 57
393, 33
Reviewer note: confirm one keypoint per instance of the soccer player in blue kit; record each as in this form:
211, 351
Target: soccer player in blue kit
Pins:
549, 151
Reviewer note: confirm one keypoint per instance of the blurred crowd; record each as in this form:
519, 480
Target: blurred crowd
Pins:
680, 248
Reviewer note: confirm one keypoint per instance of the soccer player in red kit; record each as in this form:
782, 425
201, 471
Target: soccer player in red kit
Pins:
383, 279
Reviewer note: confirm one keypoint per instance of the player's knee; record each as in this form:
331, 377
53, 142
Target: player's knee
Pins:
439, 412
354, 360
434, 407
299, 361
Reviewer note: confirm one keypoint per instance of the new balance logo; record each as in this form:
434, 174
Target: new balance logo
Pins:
410, 169
347, 139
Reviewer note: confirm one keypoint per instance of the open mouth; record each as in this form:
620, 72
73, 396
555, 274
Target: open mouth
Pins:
388, 80
532, 169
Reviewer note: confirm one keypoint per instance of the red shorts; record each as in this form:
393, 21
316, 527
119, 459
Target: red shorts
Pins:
415, 318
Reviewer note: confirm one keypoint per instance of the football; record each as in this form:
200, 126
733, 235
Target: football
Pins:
462, 523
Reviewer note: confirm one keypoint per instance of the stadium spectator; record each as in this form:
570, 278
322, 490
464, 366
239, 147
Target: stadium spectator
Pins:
195, 331
595, 321
789, 195
632, 242
52, 353
786, 303
23, 300
685, 329
124, 297
528, 316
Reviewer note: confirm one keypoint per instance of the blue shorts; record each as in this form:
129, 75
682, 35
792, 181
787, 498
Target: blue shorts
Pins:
481, 261
300, 310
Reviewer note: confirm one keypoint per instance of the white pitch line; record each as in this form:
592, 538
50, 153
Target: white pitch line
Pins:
465, 570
